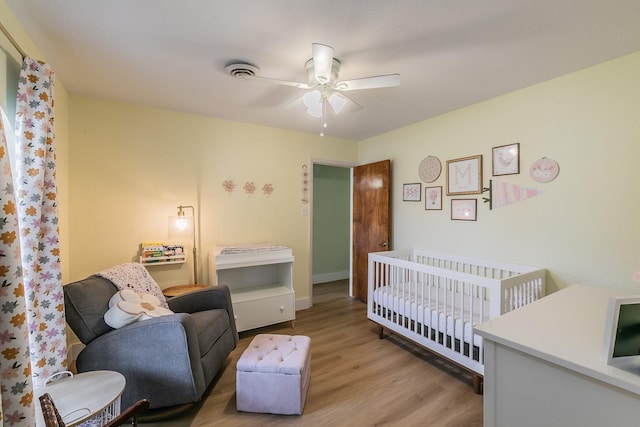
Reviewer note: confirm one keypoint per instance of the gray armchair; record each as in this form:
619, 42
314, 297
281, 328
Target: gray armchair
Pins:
169, 360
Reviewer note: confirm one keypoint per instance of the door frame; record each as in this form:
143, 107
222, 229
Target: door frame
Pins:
350, 166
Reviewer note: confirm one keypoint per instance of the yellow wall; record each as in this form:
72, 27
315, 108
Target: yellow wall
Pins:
131, 166
584, 227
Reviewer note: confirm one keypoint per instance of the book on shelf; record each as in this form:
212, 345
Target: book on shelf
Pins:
149, 251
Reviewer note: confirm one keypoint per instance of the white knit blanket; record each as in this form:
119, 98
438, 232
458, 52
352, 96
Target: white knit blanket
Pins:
133, 276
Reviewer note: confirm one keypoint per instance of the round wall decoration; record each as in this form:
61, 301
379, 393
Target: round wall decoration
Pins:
429, 169
544, 170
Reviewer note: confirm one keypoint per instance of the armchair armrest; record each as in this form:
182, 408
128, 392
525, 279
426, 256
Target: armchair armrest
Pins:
208, 298
214, 297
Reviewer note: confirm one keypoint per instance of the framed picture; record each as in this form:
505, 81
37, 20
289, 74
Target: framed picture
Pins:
464, 176
506, 159
464, 209
433, 198
621, 340
412, 192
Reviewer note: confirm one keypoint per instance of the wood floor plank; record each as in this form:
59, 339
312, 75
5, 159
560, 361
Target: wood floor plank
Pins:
356, 378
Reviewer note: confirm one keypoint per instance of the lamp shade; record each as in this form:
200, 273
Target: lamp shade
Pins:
313, 101
337, 102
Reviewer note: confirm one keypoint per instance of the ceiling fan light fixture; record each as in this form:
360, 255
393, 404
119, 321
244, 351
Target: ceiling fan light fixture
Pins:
316, 102
313, 101
337, 102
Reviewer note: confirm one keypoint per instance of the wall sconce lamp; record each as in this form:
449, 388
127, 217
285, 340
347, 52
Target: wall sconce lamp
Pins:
179, 227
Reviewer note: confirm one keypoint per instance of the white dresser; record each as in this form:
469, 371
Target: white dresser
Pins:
544, 365
260, 278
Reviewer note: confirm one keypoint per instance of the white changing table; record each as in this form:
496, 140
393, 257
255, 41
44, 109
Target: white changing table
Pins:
544, 365
260, 279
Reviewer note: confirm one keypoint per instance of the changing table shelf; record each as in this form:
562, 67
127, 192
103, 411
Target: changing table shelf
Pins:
260, 279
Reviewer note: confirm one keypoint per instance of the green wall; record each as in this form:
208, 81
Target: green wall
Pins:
331, 222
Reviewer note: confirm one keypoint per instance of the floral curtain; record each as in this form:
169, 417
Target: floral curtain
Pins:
16, 388
32, 308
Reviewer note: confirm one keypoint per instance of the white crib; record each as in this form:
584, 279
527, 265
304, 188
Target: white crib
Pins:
435, 300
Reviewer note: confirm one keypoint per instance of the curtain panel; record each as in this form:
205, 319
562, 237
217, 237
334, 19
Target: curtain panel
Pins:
33, 344
16, 388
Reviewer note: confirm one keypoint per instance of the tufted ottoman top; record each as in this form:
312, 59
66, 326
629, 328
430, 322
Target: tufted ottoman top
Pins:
277, 354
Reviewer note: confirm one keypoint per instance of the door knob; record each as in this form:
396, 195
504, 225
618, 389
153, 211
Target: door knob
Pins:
384, 244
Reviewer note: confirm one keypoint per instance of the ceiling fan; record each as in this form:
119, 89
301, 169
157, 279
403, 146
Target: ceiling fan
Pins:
323, 84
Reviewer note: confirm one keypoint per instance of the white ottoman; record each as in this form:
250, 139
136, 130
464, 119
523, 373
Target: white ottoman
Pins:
273, 374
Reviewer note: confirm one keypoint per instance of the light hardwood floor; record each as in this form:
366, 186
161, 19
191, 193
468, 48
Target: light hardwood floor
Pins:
356, 378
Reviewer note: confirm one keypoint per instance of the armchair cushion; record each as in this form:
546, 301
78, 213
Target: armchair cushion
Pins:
85, 307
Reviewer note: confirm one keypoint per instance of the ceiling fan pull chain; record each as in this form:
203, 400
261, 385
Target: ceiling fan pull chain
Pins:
324, 115
324, 111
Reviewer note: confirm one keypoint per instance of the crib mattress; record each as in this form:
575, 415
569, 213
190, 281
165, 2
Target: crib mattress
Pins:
450, 313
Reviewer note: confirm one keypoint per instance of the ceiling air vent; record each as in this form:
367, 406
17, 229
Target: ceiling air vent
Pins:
242, 70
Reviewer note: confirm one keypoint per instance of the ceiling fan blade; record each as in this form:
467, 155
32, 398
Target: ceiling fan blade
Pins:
352, 106
347, 104
322, 61
388, 80
278, 82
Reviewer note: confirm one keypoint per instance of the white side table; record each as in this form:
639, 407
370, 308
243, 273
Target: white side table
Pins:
178, 290
83, 396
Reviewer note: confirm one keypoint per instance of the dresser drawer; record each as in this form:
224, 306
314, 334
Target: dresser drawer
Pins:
262, 311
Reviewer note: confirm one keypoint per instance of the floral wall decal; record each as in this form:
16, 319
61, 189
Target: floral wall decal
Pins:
228, 185
249, 188
267, 189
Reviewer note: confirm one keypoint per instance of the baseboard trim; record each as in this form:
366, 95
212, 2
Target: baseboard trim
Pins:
303, 303
330, 277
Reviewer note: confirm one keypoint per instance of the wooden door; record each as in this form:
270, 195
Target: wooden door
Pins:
371, 219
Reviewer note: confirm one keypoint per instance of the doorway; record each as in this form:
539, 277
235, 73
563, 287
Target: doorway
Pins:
330, 223
363, 227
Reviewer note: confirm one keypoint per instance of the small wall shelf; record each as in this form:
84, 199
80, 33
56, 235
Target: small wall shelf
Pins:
163, 260
157, 253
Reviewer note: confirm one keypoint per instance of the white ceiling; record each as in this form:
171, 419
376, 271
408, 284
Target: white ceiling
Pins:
450, 53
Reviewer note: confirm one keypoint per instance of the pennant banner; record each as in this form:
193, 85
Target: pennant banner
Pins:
504, 193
